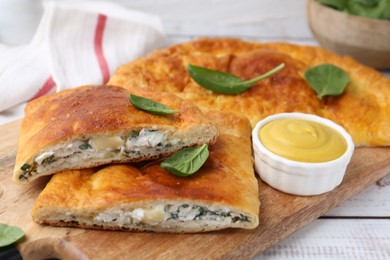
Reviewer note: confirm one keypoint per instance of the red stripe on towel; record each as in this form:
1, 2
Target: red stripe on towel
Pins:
100, 26
46, 87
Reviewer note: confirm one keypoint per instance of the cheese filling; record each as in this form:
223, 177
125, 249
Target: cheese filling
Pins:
146, 138
145, 142
168, 214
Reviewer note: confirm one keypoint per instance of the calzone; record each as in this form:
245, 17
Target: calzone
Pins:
94, 125
222, 194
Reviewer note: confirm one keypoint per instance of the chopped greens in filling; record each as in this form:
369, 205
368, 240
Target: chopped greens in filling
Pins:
170, 213
145, 141
44, 158
134, 134
85, 146
186, 212
27, 169
49, 159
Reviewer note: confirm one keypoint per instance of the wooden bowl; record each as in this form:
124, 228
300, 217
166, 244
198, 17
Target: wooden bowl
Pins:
366, 40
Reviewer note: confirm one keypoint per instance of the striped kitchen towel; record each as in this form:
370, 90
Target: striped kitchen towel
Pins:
77, 43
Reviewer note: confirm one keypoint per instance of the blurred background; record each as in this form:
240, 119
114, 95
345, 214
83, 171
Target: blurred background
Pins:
182, 20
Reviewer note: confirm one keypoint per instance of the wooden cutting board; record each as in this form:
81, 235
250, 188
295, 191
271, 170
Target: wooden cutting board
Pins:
280, 215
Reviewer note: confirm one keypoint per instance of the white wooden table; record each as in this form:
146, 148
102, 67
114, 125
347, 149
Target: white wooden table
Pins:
357, 229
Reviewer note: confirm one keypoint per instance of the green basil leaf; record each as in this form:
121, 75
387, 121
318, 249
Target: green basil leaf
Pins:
187, 161
215, 80
337, 4
327, 79
150, 106
9, 234
223, 82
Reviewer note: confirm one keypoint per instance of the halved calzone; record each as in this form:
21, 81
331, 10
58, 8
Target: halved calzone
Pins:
94, 125
222, 194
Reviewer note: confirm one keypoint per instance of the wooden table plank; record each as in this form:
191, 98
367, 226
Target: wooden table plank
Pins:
371, 202
335, 239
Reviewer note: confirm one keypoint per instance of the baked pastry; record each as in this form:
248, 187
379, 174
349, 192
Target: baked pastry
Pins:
94, 125
363, 109
222, 194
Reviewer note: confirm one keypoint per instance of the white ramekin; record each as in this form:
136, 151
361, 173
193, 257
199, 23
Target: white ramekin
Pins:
300, 178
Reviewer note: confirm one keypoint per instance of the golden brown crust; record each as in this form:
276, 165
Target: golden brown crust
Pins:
96, 109
363, 109
227, 178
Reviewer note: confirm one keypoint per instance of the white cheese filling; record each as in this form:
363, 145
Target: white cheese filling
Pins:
147, 142
146, 138
102, 147
170, 213
151, 216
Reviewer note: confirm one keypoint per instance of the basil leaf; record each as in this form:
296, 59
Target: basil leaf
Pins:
327, 79
337, 4
150, 106
9, 234
215, 80
187, 161
223, 82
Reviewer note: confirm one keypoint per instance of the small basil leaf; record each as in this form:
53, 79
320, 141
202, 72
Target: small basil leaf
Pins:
327, 79
223, 82
187, 161
150, 106
9, 234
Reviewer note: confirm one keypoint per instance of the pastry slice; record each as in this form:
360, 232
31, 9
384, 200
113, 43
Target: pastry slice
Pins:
94, 125
222, 194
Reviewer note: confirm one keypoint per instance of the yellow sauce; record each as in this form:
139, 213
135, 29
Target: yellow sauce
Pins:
302, 140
